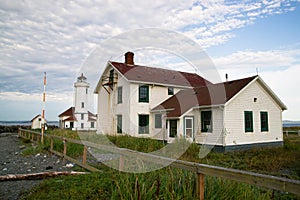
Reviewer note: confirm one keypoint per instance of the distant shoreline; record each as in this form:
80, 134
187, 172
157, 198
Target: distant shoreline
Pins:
56, 123
24, 123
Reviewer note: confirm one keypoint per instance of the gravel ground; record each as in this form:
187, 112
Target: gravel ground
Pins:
13, 162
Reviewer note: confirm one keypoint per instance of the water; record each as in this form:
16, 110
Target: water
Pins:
291, 125
55, 123
24, 123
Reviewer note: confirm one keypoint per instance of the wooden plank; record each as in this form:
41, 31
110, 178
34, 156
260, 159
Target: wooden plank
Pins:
37, 176
261, 180
86, 166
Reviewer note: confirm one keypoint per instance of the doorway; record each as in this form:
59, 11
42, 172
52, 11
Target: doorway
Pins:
173, 128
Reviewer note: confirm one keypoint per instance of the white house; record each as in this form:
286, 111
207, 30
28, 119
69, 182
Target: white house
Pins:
164, 104
36, 122
78, 117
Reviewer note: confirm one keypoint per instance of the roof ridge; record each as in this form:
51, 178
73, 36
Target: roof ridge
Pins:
159, 75
154, 67
240, 79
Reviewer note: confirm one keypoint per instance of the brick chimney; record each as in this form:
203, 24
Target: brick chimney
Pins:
129, 58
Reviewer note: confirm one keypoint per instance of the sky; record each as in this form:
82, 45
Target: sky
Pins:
242, 38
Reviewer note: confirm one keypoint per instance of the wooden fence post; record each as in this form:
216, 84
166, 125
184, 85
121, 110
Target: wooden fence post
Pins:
121, 163
200, 186
65, 146
51, 143
84, 155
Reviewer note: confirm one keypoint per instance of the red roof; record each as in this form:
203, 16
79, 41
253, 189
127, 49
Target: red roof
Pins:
71, 117
215, 94
91, 117
68, 112
160, 76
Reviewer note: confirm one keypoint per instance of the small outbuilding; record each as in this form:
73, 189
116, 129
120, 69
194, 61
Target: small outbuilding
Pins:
36, 122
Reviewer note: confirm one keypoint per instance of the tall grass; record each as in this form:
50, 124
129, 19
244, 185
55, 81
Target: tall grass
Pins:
168, 183
282, 161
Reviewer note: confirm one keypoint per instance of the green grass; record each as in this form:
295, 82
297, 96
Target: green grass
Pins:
281, 161
169, 183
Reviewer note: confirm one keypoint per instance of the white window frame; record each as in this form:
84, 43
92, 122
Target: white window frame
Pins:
192, 128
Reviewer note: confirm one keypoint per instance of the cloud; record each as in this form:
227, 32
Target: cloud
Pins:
57, 36
264, 60
38, 36
280, 69
51, 97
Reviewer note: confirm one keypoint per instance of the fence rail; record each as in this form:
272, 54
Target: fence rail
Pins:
286, 132
260, 180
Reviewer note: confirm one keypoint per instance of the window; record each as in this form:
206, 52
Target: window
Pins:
86, 90
158, 121
189, 123
82, 116
82, 125
248, 117
264, 126
92, 124
170, 91
82, 104
111, 76
144, 93
206, 121
119, 94
119, 124
143, 124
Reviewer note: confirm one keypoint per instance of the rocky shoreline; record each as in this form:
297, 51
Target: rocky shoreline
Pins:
13, 162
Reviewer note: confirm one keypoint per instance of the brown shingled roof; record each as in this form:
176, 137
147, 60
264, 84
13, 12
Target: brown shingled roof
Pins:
91, 117
71, 117
160, 76
215, 94
68, 112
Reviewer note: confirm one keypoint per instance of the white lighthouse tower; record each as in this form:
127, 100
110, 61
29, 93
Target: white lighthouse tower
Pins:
81, 113
78, 117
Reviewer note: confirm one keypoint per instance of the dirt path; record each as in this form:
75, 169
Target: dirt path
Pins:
13, 162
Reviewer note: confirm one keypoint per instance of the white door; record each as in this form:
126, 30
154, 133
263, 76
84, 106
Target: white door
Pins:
189, 127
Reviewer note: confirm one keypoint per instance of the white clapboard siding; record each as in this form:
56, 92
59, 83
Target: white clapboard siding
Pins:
214, 138
244, 101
